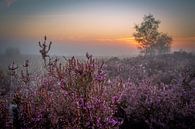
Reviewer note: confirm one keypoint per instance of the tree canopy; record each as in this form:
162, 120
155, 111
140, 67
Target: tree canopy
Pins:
151, 41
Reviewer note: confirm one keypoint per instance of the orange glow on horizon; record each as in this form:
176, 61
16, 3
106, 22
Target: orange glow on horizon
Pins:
83, 31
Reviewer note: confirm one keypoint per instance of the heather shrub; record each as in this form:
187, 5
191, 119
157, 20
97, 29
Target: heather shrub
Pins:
4, 84
3, 113
167, 69
158, 106
73, 94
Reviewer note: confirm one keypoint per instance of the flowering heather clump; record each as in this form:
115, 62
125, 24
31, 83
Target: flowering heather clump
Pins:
165, 69
159, 106
69, 96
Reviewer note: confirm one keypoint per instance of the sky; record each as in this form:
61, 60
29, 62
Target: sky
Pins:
100, 27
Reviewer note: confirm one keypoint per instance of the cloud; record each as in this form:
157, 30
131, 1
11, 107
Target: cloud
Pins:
9, 2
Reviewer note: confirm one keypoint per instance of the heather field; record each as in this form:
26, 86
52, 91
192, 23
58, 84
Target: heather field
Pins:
129, 93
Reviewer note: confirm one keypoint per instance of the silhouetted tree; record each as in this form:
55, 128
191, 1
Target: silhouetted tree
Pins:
10, 51
163, 44
150, 40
